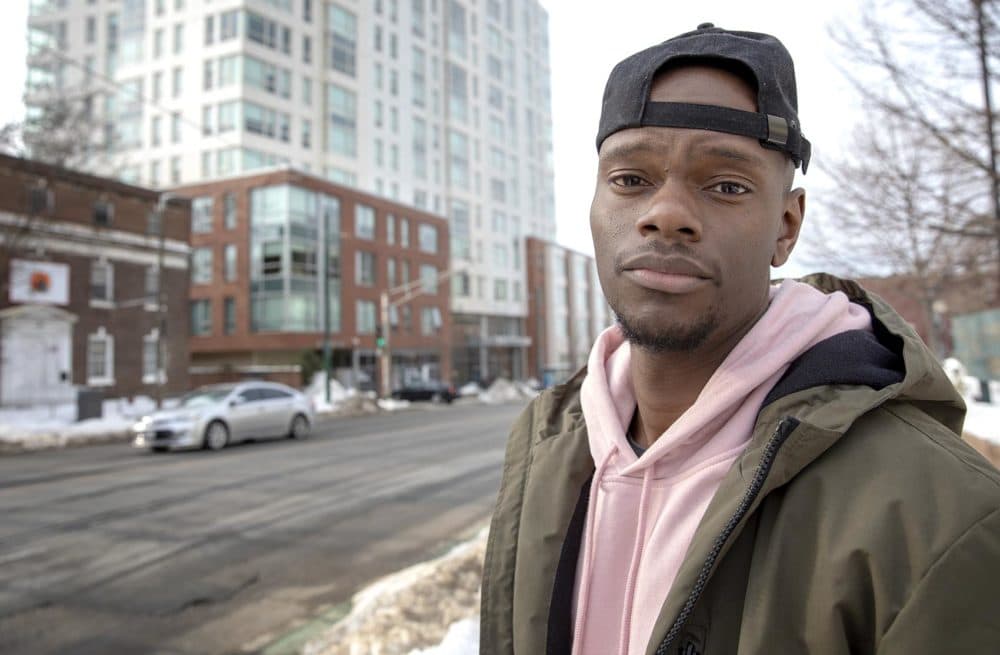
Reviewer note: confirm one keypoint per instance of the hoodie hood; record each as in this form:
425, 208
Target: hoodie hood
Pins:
798, 318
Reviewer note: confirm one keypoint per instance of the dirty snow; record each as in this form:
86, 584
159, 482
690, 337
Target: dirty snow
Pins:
55, 426
428, 609
503, 391
982, 420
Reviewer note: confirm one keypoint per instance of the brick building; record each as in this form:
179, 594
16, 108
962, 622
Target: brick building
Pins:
80, 273
256, 299
566, 310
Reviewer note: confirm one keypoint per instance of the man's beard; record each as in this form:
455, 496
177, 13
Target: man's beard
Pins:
666, 338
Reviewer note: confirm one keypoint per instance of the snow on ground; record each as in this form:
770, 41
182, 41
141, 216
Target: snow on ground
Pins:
462, 639
55, 426
428, 609
982, 420
503, 390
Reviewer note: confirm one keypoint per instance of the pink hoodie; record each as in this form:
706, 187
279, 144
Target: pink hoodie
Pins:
644, 511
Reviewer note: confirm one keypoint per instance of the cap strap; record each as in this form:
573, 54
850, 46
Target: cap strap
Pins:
773, 132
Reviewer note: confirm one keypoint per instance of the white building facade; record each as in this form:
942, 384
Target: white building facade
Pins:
440, 104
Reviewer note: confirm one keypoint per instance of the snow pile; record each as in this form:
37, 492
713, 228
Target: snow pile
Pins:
429, 605
462, 639
37, 428
470, 389
504, 391
982, 420
316, 391
392, 404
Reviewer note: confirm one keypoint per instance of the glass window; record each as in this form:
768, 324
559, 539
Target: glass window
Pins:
229, 315
427, 236
201, 266
178, 82
364, 268
429, 278
201, 214
229, 24
404, 233
459, 158
209, 29
178, 38
150, 356
390, 229
458, 93
456, 28
152, 284
342, 39
500, 290
430, 320
342, 122
230, 262
364, 221
229, 209
100, 358
201, 317
227, 70
101, 281
365, 317
419, 78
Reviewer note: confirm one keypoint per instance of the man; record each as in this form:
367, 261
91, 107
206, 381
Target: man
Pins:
742, 468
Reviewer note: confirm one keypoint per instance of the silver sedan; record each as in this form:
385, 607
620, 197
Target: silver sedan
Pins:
215, 416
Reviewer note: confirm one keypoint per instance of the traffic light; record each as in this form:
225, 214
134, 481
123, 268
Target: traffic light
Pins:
379, 337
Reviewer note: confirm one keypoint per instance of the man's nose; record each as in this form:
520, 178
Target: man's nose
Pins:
671, 214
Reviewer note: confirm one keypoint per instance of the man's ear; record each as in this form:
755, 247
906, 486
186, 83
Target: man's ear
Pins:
791, 223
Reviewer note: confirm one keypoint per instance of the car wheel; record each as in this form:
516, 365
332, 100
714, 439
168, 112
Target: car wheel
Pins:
436, 398
299, 428
216, 435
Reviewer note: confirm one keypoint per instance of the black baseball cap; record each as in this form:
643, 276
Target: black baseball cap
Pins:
775, 123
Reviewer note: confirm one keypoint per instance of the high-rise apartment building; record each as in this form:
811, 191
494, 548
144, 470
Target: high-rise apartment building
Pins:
439, 104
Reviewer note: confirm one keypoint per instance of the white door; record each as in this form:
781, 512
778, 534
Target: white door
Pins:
36, 361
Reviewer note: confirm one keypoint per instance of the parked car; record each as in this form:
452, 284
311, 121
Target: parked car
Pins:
218, 415
432, 390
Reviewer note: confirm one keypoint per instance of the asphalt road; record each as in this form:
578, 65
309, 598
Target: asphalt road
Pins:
105, 550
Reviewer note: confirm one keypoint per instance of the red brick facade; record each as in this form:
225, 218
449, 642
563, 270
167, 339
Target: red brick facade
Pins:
67, 231
275, 355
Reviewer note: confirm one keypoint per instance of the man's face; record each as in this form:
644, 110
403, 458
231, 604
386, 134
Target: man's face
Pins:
687, 222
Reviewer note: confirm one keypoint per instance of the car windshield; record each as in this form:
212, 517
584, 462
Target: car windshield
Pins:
203, 397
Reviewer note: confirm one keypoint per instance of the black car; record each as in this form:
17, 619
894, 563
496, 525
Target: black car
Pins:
432, 390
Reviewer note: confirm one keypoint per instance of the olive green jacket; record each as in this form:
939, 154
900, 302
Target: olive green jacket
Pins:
856, 521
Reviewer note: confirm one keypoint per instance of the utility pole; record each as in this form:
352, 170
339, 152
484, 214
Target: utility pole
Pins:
324, 285
409, 291
161, 293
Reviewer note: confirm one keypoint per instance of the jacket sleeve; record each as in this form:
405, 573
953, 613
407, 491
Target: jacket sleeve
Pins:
955, 607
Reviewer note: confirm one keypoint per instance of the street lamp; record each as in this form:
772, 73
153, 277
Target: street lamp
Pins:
161, 292
409, 291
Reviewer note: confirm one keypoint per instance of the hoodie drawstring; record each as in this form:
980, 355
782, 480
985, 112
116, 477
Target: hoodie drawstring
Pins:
633, 569
588, 552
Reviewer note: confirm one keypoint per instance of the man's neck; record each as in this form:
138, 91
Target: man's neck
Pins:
666, 384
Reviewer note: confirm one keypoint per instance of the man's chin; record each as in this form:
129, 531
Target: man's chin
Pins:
667, 338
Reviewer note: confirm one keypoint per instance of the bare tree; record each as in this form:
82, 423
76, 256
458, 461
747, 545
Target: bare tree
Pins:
920, 192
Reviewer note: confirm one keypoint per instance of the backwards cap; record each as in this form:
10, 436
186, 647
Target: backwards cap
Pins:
775, 123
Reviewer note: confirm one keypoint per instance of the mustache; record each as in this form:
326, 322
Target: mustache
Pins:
661, 249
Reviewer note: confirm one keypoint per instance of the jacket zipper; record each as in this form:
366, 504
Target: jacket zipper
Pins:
785, 428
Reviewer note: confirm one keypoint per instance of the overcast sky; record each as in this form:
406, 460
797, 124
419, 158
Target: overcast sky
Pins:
587, 40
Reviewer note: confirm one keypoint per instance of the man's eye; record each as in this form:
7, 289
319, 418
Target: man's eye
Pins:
730, 188
628, 180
